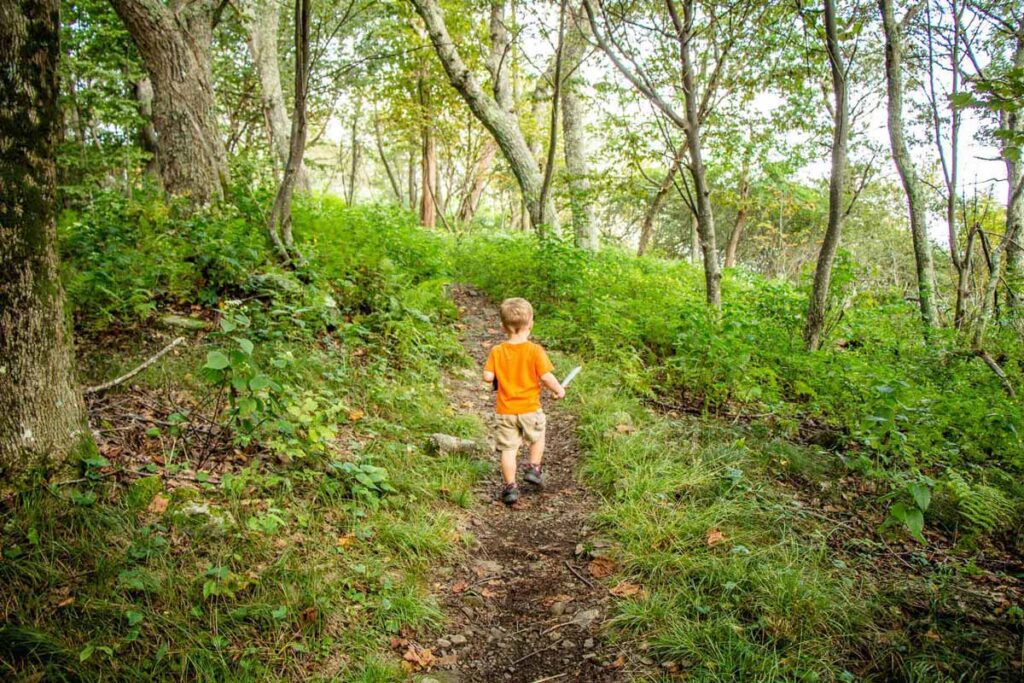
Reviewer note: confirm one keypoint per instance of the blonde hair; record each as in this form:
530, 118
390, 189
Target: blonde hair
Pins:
516, 314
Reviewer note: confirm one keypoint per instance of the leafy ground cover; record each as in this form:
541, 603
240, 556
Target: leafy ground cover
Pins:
261, 507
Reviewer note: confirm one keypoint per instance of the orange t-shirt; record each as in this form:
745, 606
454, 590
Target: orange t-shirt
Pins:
518, 368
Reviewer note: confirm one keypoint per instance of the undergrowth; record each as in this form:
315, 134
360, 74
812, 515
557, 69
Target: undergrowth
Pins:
298, 546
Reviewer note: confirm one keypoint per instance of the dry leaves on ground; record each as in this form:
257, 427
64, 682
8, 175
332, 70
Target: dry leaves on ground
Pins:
600, 567
418, 658
715, 537
625, 589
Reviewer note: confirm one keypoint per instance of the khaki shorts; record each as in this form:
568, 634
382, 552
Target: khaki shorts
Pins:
513, 430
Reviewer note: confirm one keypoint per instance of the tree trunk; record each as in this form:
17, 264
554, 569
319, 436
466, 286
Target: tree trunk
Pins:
428, 177
647, 228
260, 19
471, 202
42, 417
1015, 198
694, 239
281, 215
574, 141
356, 154
142, 91
705, 218
741, 219
905, 166
175, 46
818, 304
498, 65
392, 179
411, 181
502, 125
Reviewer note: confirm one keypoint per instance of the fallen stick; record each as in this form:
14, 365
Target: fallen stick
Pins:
578, 575
128, 375
991, 363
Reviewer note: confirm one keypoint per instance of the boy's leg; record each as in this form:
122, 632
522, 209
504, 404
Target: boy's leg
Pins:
508, 441
537, 452
508, 465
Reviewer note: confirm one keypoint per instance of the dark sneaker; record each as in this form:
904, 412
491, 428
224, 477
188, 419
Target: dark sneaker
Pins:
533, 475
510, 494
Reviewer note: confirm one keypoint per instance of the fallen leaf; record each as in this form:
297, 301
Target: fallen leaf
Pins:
601, 567
309, 615
419, 657
619, 662
625, 428
158, 505
355, 415
625, 589
715, 537
488, 593
346, 540
459, 586
66, 602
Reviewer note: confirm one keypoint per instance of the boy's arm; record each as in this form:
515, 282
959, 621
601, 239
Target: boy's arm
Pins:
489, 367
549, 380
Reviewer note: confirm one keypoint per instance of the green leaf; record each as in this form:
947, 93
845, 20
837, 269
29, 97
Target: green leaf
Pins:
912, 518
133, 617
246, 345
922, 495
153, 431
228, 325
86, 653
280, 613
215, 360
260, 382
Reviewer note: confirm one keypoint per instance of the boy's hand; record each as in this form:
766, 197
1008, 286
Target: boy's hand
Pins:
560, 394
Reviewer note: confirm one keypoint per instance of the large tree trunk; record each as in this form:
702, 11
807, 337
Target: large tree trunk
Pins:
647, 228
42, 418
502, 125
818, 304
175, 46
905, 166
705, 218
261, 19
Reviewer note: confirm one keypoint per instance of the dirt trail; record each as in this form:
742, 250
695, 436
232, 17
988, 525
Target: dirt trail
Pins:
524, 606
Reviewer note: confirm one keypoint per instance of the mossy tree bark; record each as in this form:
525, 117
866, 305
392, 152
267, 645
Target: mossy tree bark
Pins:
42, 417
175, 43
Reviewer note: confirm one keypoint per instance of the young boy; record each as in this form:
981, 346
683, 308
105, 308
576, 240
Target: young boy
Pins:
520, 367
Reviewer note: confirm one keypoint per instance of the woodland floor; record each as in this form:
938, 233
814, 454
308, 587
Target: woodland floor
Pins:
524, 605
